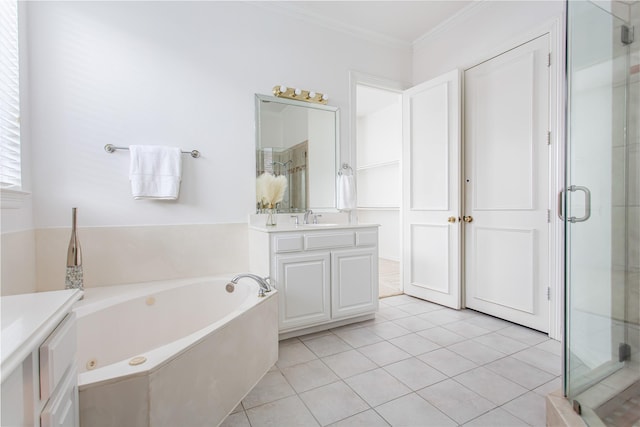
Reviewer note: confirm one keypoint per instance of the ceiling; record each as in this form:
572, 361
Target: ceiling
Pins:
401, 22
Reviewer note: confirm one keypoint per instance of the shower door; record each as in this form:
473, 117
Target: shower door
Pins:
595, 203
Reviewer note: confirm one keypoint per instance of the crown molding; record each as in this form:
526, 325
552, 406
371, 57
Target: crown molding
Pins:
289, 9
471, 9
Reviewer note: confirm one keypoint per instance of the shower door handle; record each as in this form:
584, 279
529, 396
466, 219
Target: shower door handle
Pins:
587, 204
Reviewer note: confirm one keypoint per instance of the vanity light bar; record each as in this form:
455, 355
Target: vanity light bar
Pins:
299, 94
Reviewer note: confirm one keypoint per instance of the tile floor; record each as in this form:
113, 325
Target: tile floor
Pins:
416, 364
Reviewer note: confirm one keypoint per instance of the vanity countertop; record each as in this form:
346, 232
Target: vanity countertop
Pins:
280, 228
27, 319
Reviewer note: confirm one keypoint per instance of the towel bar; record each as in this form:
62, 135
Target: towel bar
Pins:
110, 148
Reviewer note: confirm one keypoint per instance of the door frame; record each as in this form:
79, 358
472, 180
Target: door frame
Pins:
557, 94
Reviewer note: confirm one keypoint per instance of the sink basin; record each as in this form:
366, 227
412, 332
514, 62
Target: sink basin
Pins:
324, 224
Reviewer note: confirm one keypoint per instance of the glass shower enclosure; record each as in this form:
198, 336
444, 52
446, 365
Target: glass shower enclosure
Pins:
600, 206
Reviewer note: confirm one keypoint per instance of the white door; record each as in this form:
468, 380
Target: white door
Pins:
506, 185
431, 190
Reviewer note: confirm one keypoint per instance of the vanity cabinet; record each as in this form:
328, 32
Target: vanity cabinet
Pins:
39, 373
324, 277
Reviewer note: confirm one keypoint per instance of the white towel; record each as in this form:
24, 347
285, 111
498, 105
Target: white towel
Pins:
346, 192
155, 172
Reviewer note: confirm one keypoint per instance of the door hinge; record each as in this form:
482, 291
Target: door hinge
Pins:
549, 216
626, 35
548, 137
624, 352
549, 59
548, 293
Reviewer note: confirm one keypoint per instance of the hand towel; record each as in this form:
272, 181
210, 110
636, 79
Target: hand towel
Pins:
346, 192
155, 172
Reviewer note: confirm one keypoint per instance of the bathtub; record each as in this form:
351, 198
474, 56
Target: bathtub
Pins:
172, 353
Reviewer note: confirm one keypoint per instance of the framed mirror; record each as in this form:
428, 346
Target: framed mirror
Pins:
299, 141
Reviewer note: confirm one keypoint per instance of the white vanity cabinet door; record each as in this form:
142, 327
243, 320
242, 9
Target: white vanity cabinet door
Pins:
354, 282
302, 280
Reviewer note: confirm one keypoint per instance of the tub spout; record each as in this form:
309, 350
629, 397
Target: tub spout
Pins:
262, 281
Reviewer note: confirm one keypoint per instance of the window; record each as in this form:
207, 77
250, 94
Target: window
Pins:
10, 175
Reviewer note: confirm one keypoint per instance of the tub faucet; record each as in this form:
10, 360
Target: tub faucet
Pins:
262, 281
306, 216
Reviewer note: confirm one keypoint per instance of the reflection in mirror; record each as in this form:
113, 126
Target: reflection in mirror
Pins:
298, 141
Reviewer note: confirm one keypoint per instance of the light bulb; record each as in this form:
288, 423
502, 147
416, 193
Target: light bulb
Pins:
312, 94
283, 89
297, 92
325, 97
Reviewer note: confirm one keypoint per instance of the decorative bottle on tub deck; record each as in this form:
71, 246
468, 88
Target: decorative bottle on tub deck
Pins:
73, 279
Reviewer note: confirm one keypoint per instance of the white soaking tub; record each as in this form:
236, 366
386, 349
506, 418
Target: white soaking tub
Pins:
173, 353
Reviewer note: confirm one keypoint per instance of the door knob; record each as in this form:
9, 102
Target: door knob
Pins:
452, 219
467, 218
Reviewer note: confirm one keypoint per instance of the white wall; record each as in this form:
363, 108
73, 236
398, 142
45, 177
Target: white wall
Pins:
170, 73
174, 73
483, 31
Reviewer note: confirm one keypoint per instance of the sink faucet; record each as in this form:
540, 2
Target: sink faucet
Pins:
306, 216
262, 281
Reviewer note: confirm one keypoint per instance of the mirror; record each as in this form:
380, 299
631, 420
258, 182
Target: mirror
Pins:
299, 141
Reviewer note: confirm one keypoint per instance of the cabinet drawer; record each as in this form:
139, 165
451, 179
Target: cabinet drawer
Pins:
288, 243
57, 353
366, 238
328, 240
62, 409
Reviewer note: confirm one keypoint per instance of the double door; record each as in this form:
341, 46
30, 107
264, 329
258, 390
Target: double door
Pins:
477, 213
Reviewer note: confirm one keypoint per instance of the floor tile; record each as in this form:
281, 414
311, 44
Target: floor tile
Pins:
525, 335
327, 345
496, 418
292, 352
421, 365
419, 307
349, 363
333, 402
413, 324
237, 419
440, 317
392, 313
377, 386
447, 362
501, 343
553, 385
490, 323
368, 418
388, 330
442, 336
412, 410
414, 344
552, 346
415, 373
530, 408
520, 372
398, 300
272, 386
384, 353
290, 412
357, 337
456, 401
541, 359
476, 352
490, 385
466, 329
309, 375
